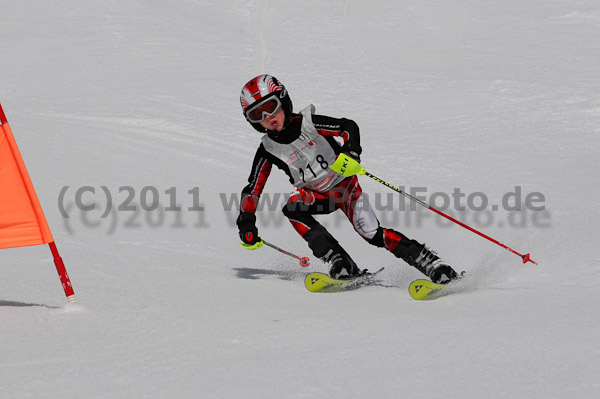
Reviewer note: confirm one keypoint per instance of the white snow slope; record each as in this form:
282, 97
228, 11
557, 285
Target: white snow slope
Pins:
141, 97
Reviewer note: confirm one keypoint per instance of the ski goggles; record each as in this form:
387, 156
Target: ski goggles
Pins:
260, 111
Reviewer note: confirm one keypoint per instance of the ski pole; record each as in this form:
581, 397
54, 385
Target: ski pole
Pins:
347, 166
304, 261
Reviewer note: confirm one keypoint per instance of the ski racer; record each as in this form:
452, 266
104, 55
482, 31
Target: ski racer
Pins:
303, 145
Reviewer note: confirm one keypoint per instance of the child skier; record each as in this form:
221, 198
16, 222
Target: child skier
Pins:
303, 146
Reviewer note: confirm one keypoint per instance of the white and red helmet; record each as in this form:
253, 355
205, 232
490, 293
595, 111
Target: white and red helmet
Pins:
258, 91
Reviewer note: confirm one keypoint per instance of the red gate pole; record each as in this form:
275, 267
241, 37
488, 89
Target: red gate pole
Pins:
62, 273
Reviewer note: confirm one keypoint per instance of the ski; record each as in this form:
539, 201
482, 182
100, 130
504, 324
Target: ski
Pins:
320, 282
424, 289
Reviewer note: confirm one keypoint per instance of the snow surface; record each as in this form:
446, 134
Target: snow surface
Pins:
477, 95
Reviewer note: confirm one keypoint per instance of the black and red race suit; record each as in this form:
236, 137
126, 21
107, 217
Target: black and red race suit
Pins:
304, 150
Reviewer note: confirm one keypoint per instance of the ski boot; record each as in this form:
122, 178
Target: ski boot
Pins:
327, 248
433, 267
442, 273
426, 261
341, 265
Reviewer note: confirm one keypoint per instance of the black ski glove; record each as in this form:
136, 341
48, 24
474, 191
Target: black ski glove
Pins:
353, 153
246, 223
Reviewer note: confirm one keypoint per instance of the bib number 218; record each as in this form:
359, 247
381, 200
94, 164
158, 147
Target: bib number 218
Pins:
321, 161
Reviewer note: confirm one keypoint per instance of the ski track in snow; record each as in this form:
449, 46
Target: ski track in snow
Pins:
480, 96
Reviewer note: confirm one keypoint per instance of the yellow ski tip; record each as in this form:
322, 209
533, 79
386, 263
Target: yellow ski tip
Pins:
315, 282
424, 289
320, 282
